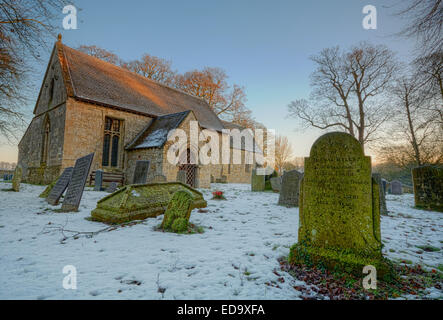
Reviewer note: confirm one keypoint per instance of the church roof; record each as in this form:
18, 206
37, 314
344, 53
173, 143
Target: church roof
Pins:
155, 134
93, 80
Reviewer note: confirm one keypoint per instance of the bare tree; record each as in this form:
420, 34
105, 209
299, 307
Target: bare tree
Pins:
416, 138
425, 23
211, 85
100, 53
24, 30
153, 68
283, 152
348, 91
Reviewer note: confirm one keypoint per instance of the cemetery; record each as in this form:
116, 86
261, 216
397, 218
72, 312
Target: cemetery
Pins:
252, 159
327, 222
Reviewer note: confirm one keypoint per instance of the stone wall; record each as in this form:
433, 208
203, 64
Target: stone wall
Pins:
154, 155
84, 132
50, 107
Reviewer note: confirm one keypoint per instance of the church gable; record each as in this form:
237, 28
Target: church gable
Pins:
53, 90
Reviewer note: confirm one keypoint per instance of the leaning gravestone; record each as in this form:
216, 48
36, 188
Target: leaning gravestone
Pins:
98, 181
383, 209
396, 187
257, 181
16, 179
178, 212
339, 208
77, 184
112, 187
290, 189
60, 186
428, 187
276, 184
140, 172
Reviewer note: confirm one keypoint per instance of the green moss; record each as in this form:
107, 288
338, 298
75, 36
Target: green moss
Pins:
179, 208
179, 225
48, 189
339, 260
428, 248
428, 187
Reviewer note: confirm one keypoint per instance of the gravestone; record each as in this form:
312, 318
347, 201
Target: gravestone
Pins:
77, 183
112, 187
5, 177
428, 187
396, 187
339, 224
16, 179
141, 172
290, 189
98, 182
60, 186
276, 184
383, 209
178, 212
257, 181
159, 178
181, 176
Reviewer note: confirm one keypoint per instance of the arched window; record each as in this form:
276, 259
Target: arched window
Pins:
111, 142
45, 145
51, 90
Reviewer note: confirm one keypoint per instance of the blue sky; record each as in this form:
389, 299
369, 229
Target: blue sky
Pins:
262, 45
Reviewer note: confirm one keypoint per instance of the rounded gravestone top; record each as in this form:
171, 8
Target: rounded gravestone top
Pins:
336, 143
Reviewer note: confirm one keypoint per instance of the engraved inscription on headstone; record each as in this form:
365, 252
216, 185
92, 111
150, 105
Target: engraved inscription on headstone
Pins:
60, 186
77, 183
98, 180
141, 172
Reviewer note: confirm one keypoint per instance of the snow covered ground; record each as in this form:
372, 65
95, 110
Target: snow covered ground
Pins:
235, 257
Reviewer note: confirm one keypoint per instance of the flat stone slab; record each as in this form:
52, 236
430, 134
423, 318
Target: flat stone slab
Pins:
141, 201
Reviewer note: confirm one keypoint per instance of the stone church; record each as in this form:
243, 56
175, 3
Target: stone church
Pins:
88, 105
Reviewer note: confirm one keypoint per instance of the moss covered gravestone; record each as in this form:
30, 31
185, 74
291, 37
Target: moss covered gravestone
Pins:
16, 179
428, 187
257, 181
339, 208
178, 212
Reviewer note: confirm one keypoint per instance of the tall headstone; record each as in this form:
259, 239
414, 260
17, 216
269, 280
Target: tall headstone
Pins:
339, 208
396, 187
141, 172
428, 187
98, 182
77, 184
290, 189
257, 181
383, 208
276, 183
60, 186
16, 179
